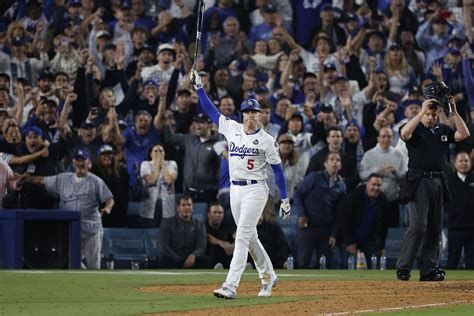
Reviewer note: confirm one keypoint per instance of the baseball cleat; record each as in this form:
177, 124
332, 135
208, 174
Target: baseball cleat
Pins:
224, 292
266, 290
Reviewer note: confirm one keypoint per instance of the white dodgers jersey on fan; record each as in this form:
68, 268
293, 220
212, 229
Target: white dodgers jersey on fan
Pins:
248, 154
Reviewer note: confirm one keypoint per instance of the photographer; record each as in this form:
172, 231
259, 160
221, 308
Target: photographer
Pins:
426, 186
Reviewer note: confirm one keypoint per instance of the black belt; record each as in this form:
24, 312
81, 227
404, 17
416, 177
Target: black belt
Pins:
433, 174
244, 182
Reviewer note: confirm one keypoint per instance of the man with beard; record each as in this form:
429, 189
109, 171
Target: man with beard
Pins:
83, 191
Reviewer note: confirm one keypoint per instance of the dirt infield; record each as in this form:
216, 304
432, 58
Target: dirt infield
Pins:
336, 297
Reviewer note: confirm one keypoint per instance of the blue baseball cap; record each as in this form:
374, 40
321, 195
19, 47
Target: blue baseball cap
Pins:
453, 50
87, 124
81, 153
261, 89
250, 104
76, 3
327, 7
34, 129
18, 41
151, 82
340, 77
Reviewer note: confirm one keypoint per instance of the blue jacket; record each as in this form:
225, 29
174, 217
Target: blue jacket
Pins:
315, 199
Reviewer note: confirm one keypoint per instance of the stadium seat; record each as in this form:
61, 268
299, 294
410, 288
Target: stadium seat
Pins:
133, 208
393, 244
125, 244
151, 242
200, 212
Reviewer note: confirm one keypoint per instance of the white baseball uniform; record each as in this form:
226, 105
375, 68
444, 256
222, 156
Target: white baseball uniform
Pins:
248, 158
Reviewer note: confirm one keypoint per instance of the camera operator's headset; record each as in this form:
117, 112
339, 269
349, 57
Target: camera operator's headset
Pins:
440, 92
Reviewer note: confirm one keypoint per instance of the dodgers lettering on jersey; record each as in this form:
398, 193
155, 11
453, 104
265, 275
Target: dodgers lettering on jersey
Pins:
248, 154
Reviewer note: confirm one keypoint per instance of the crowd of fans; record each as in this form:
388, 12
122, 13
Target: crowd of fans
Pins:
335, 81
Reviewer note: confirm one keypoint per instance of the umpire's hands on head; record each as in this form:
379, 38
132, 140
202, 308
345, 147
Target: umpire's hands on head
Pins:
285, 209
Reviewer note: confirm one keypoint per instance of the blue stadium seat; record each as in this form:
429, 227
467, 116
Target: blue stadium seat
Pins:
200, 212
133, 208
151, 242
393, 244
124, 243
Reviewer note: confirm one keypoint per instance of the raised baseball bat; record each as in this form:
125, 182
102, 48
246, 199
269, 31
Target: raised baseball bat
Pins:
200, 15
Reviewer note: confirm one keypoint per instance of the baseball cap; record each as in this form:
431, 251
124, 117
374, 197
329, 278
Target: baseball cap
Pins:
164, 47
122, 123
261, 89
250, 104
349, 16
270, 8
395, 46
150, 82
34, 2
45, 73
453, 50
102, 33
105, 149
146, 47
285, 138
340, 77
415, 90
88, 124
126, 5
329, 66
327, 7
81, 153
75, 3
202, 118
354, 123
34, 129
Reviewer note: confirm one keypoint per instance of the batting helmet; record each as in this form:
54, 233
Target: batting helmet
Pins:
438, 91
250, 104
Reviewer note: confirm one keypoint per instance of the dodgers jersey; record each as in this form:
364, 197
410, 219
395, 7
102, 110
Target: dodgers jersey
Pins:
248, 154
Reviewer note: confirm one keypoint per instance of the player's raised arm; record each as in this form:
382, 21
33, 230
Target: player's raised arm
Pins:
285, 208
206, 103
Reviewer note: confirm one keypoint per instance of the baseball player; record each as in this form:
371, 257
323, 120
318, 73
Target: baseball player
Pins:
250, 150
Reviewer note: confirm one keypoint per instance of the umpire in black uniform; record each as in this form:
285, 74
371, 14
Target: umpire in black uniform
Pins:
426, 187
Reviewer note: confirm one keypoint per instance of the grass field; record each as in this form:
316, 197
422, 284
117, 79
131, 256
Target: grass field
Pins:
116, 292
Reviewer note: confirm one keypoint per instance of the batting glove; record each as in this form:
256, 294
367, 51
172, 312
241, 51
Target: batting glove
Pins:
195, 79
285, 209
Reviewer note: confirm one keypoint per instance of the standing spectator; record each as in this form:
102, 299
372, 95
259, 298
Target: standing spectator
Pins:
83, 191
362, 218
159, 176
460, 213
220, 237
116, 178
348, 168
352, 145
315, 203
289, 159
139, 140
201, 162
164, 68
269, 127
428, 148
388, 162
182, 239
400, 74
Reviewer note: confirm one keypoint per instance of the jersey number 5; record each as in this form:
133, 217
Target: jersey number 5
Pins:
250, 164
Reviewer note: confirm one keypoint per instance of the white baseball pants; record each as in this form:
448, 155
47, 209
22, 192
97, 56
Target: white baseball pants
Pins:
247, 204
